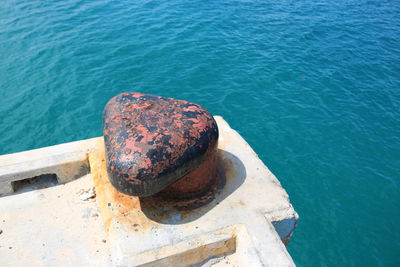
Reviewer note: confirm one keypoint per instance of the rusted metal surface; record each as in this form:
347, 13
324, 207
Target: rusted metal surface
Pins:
152, 141
186, 195
195, 183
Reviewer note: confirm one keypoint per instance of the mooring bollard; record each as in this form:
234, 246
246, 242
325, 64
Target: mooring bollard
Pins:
170, 188
158, 144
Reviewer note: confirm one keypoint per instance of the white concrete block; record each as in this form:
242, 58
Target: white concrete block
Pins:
68, 161
236, 223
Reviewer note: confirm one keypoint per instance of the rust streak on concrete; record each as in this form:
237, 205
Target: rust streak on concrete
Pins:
113, 204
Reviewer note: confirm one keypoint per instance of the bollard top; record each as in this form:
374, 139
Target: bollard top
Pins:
152, 141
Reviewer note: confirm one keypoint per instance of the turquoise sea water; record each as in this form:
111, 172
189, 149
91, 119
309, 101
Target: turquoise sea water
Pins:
313, 86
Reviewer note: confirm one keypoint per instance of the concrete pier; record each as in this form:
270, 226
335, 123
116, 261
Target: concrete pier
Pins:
78, 218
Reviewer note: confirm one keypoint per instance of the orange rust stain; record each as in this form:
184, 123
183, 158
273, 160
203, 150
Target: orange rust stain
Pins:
95, 164
128, 210
113, 204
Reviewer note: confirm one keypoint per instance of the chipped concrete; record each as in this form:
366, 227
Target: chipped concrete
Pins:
68, 161
6, 188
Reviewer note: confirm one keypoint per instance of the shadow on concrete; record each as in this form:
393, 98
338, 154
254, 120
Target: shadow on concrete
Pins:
231, 175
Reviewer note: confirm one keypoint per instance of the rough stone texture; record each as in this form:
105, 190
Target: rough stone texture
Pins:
235, 224
152, 141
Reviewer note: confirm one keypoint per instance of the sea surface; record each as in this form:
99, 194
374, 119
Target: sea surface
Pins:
313, 86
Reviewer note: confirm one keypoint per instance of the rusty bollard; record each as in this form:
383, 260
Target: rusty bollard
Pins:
156, 143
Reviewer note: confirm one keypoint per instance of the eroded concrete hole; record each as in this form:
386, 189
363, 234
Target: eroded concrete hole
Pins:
34, 183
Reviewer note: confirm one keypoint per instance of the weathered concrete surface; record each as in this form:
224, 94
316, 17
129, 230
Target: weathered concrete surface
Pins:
6, 188
68, 161
236, 224
54, 226
61, 225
